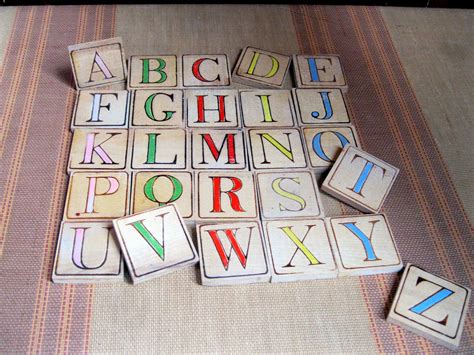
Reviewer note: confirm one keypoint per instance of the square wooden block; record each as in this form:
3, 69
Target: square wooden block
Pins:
360, 179
218, 149
276, 149
154, 243
159, 149
267, 108
260, 68
212, 108
153, 71
320, 106
157, 108
205, 70
87, 252
232, 253
288, 194
430, 306
322, 71
98, 149
97, 195
299, 250
364, 245
101, 109
98, 63
152, 189
325, 143
226, 195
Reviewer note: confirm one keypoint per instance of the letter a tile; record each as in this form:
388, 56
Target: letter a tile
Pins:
154, 243
205, 70
98, 149
360, 179
430, 306
157, 108
323, 71
300, 250
232, 253
153, 71
87, 252
364, 245
98, 63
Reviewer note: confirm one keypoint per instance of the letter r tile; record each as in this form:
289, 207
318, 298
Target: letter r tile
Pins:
232, 253
430, 306
360, 179
364, 245
154, 243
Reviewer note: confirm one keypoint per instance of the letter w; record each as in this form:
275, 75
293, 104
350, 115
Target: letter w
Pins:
234, 245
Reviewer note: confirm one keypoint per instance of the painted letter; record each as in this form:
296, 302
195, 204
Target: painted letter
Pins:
92, 193
300, 246
197, 73
220, 108
277, 188
287, 152
158, 247
151, 151
78, 249
102, 68
159, 69
273, 70
231, 236
216, 153
366, 241
318, 145
217, 192
149, 107
91, 149
96, 105
177, 189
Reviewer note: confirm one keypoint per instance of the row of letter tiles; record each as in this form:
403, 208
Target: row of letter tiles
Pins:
211, 149
244, 251
217, 108
107, 195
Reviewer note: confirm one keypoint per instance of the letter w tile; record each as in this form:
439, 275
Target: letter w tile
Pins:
234, 245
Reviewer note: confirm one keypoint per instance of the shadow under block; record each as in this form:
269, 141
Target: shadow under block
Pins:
364, 245
299, 250
322, 71
430, 306
153, 72
276, 149
156, 148
360, 179
87, 252
98, 149
260, 68
218, 149
97, 195
267, 108
232, 253
215, 108
226, 195
205, 70
320, 106
324, 144
101, 109
98, 63
154, 243
152, 189
157, 108
288, 194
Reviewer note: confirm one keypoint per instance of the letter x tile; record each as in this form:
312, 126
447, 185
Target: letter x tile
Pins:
154, 243
430, 306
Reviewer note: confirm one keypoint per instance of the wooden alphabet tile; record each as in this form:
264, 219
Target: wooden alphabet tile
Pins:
153, 72
218, 149
260, 68
430, 306
322, 71
212, 108
157, 108
226, 195
364, 245
98, 63
97, 195
205, 70
288, 194
152, 189
232, 253
87, 252
267, 108
99, 149
299, 250
320, 106
156, 148
101, 109
154, 243
360, 179
276, 149
325, 143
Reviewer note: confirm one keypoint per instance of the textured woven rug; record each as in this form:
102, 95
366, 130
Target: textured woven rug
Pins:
175, 313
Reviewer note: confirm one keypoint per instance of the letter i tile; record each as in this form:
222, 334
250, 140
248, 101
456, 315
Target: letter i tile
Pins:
364, 245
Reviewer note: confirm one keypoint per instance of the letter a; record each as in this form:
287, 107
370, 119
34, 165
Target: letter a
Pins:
98, 61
